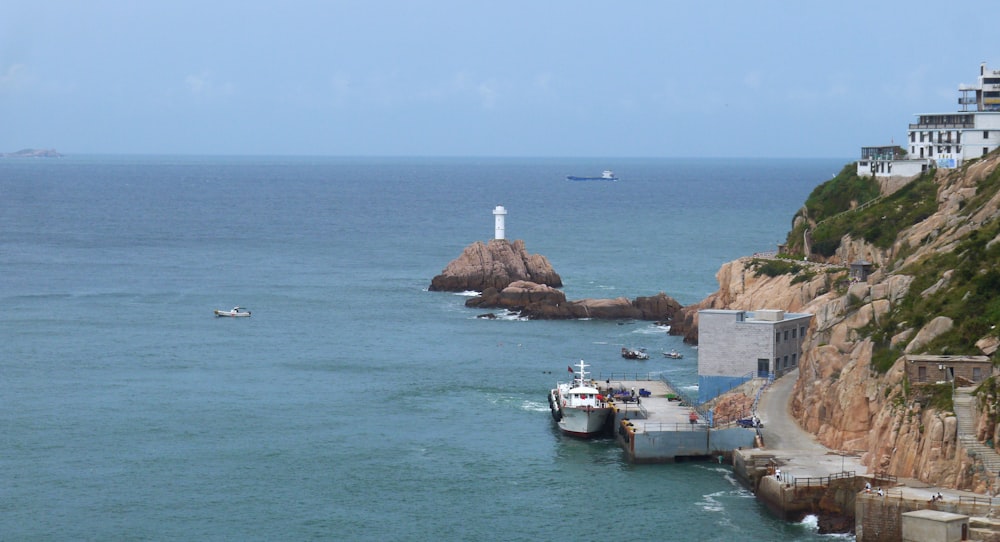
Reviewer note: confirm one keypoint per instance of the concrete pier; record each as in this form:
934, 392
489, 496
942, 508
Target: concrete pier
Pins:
653, 424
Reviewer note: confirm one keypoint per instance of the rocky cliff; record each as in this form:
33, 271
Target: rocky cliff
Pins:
934, 290
494, 265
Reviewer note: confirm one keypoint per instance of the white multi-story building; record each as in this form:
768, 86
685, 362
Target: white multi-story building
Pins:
944, 140
736, 346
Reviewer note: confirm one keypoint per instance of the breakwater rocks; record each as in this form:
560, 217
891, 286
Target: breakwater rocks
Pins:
543, 302
496, 265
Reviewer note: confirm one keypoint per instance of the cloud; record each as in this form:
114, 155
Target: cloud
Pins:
15, 77
487, 94
202, 85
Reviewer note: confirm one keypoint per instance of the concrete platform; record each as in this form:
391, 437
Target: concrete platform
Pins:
655, 429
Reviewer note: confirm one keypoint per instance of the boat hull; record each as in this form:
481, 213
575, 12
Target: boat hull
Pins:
575, 178
583, 422
230, 314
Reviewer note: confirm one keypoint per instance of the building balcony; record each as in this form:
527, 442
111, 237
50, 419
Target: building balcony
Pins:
950, 126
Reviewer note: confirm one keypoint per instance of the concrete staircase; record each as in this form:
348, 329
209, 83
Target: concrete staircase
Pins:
966, 415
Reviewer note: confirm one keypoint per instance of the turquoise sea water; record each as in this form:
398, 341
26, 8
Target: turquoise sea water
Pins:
354, 404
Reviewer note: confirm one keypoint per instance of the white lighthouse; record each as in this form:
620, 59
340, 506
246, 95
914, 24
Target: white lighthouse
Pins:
498, 215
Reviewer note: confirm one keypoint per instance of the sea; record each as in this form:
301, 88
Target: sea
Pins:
354, 404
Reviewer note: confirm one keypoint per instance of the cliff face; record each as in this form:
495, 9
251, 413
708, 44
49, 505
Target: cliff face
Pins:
494, 265
839, 396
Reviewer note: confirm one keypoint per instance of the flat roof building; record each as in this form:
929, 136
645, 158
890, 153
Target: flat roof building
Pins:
735, 346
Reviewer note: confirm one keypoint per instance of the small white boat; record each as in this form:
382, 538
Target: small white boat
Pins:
578, 407
673, 354
235, 312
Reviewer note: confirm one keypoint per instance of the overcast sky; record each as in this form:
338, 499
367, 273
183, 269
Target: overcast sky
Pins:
741, 78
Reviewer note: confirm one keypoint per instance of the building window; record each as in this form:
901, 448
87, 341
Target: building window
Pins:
802, 331
763, 367
795, 360
977, 374
986, 134
786, 334
777, 337
793, 332
786, 362
922, 374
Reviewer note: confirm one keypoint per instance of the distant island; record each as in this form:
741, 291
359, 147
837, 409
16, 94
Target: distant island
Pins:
32, 153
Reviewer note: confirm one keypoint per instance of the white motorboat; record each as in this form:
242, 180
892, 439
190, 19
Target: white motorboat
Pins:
235, 312
673, 354
577, 406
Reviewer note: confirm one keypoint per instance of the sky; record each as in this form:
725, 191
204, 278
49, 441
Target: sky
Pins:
542, 78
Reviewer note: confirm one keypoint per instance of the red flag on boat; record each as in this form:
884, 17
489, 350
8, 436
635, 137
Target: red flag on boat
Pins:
570, 367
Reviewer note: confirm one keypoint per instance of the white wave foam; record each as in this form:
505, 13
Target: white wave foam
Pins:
710, 503
534, 406
510, 316
468, 293
649, 330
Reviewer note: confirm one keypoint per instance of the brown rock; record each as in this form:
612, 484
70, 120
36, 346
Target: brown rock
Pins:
539, 301
494, 265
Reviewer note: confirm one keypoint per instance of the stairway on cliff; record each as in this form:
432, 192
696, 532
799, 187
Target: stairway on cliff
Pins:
966, 414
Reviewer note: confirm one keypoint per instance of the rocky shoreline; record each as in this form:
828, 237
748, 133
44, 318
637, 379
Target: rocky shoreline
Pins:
512, 279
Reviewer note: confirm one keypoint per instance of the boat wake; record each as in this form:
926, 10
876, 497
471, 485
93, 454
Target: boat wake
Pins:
651, 329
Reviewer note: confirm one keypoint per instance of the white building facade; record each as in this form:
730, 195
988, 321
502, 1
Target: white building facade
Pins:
736, 346
944, 140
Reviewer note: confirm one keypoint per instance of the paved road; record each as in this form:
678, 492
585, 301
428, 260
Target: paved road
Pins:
794, 448
800, 455
781, 431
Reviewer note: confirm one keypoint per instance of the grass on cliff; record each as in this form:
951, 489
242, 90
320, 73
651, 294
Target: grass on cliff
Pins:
841, 193
936, 396
836, 209
776, 267
966, 289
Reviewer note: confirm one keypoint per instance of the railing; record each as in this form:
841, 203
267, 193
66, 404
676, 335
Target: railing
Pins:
882, 476
644, 426
861, 207
975, 501
685, 398
756, 399
624, 376
941, 125
822, 480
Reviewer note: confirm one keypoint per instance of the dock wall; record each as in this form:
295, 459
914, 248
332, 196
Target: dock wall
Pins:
880, 518
674, 442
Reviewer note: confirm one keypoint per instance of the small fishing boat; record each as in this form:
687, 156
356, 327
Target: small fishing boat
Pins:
673, 354
235, 312
634, 353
